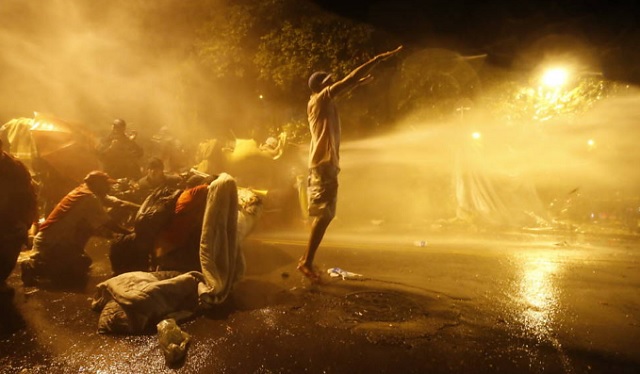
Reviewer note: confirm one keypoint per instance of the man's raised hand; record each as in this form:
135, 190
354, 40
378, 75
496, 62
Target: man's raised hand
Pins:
386, 55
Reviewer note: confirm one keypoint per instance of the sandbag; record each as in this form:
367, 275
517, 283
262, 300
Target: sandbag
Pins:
144, 299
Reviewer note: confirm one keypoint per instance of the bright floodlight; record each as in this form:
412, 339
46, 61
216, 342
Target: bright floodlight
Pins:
476, 135
555, 77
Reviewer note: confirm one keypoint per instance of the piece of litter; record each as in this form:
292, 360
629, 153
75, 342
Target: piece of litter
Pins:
337, 272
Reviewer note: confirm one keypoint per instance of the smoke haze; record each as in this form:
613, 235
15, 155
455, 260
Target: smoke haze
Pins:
416, 174
91, 62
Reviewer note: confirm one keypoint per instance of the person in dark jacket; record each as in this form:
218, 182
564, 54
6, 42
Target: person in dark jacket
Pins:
18, 211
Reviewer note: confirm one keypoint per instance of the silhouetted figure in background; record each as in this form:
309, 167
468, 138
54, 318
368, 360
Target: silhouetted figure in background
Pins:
119, 153
168, 148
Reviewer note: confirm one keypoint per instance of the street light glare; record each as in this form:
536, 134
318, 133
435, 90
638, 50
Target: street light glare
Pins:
555, 77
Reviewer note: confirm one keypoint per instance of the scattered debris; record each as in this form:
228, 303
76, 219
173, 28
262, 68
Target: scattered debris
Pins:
173, 341
337, 272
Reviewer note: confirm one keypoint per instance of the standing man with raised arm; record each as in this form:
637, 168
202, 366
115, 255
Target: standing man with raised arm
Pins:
324, 151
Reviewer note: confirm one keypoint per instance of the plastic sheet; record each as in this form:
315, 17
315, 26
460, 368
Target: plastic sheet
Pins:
173, 341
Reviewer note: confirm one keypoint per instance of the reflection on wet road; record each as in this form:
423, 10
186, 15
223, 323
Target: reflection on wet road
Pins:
456, 305
537, 297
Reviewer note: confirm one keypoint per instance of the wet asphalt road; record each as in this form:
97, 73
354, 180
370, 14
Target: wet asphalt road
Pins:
463, 303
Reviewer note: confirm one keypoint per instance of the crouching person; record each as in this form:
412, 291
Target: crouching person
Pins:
177, 246
59, 254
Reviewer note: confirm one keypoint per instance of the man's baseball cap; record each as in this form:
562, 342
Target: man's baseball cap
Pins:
99, 176
318, 79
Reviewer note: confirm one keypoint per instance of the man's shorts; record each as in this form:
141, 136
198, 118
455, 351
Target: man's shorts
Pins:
323, 191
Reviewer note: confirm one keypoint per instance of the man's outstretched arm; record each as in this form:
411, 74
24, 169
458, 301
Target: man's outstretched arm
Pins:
360, 74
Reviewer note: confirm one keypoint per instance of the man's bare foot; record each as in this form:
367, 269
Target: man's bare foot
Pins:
310, 272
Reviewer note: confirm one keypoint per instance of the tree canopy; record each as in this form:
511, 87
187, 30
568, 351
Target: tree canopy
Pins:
280, 43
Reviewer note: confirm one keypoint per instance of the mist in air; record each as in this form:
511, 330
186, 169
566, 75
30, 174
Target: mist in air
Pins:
512, 174
91, 62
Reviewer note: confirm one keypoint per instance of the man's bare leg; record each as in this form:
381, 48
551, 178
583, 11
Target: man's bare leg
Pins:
318, 228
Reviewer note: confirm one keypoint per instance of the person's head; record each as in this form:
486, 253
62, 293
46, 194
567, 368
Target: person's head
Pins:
319, 80
119, 125
198, 180
195, 180
155, 169
99, 182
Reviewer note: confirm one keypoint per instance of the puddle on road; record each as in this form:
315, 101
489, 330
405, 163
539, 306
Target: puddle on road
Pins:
383, 315
381, 306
